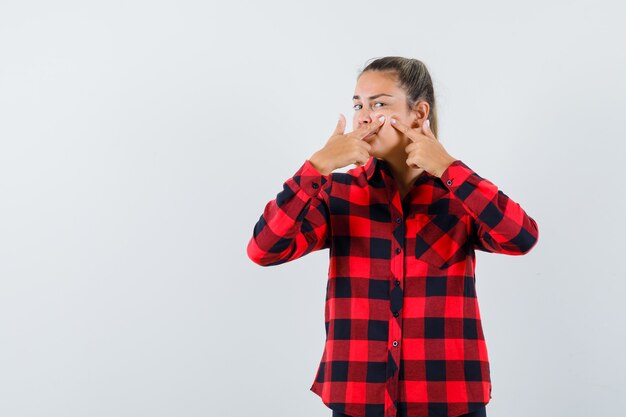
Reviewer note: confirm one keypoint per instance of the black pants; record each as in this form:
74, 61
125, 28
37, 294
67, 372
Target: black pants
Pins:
478, 413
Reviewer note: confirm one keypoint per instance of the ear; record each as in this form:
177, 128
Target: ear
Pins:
420, 113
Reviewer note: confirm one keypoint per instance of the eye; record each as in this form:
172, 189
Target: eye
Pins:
375, 103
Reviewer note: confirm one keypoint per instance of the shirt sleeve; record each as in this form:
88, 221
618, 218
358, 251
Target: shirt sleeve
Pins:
296, 222
500, 224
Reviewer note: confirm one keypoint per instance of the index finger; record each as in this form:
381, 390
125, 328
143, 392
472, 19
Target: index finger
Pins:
367, 129
403, 128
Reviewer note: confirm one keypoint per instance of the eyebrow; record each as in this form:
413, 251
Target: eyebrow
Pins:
372, 97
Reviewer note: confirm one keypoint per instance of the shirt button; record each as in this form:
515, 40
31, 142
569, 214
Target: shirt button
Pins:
397, 282
395, 343
395, 314
449, 182
315, 185
398, 250
398, 220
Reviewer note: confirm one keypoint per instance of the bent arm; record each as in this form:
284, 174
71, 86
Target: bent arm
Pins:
500, 224
296, 222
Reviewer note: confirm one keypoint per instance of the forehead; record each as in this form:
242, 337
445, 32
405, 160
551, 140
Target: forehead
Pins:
376, 82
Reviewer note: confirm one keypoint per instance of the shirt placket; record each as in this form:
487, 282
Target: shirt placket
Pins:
396, 297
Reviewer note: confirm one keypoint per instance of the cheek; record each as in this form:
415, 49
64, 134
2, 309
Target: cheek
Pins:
389, 133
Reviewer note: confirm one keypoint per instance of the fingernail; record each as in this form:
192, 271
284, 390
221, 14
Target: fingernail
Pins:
393, 120
381, 119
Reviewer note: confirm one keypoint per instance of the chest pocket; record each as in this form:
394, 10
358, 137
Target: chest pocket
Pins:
441, 239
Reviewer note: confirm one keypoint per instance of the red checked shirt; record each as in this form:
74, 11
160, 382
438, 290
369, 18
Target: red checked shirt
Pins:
403, 329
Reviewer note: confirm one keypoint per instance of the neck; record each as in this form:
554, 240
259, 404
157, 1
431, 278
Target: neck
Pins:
402, 173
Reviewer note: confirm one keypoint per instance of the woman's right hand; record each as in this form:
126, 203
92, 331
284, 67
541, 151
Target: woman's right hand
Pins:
343, 149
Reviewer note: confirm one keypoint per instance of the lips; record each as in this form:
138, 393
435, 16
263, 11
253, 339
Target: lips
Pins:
370, 135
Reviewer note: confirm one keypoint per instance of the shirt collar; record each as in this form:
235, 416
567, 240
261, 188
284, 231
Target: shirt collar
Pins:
370, 167
374, 164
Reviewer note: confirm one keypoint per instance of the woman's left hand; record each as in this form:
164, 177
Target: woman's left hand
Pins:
425, 150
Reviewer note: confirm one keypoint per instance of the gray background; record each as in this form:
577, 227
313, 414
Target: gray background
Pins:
141, 140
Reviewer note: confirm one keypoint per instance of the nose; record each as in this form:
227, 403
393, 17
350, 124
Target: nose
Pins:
365, 117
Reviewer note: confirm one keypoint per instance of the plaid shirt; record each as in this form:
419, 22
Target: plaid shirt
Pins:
402, 322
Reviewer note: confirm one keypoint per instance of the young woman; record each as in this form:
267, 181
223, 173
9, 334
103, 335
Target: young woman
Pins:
402, 320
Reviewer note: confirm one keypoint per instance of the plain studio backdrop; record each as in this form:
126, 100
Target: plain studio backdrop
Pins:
141, 140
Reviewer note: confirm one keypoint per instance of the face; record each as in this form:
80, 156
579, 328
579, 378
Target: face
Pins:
375, 93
